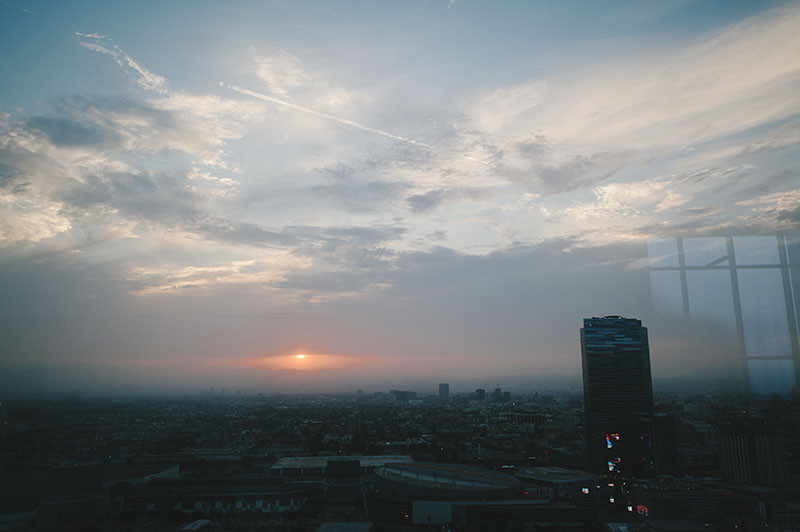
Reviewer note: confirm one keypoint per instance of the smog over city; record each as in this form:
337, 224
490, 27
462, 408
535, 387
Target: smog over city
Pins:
250, 203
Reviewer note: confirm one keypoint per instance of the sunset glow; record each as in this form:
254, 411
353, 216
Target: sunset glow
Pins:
306, 362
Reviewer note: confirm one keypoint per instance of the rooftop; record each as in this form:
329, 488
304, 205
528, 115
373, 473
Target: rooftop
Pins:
447, 476
298, 462
556, 474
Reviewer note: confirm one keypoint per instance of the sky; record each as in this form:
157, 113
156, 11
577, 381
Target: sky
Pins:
414, 192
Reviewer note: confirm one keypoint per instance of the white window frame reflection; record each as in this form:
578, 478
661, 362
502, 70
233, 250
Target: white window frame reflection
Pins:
775, 257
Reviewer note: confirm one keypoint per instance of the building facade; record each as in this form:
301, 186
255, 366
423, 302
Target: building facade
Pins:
444, 392
618, 396
751, 451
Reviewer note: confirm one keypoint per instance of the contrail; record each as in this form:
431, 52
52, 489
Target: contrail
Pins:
320, 114
339, 119
157, 83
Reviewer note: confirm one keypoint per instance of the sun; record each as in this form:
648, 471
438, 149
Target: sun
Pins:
301, 356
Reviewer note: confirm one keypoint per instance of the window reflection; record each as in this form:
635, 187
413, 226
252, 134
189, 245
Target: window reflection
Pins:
662, 252
711, 298
756, 250
705, 251
665, 288
746, 285
771, 376
766, 327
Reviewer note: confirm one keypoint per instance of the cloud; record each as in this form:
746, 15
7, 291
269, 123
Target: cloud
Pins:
70, 174
97, 36
577, 172
263, 272
526, 136
143, 196
790, 215
430, 200
334, 237
281, 72
357, 197
241, 234
146, 79
504, 107
425, 202
286, 77
774, 208
196, 123
89, 162
590, 122
664, 139
626, 200
212, 186
787, 134
29, 219
63, 131
204, 123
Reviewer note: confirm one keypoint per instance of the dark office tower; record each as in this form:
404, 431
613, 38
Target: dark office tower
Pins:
444, 392
666, 444
618, 395
480, 393
752, 451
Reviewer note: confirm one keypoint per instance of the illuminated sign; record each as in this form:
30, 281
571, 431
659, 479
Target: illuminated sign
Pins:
613, 464
612, 440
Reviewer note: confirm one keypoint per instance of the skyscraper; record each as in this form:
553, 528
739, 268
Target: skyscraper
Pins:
444, 392
618, 395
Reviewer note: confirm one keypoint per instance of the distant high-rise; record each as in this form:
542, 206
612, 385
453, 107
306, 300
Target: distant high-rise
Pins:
444, 392
403, 395
618, 395
497, 395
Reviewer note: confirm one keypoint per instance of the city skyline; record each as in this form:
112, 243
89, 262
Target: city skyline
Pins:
306, 197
